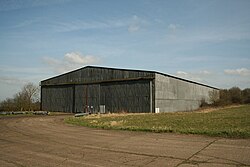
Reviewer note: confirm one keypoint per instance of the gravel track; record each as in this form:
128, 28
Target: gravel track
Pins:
48, 141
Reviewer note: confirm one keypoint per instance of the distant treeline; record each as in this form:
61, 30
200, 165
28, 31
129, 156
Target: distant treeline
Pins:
25, 100
230, 96
234, 96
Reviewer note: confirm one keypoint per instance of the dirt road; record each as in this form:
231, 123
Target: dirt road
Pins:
47, 141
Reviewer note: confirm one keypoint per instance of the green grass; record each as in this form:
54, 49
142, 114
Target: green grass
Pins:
230, 122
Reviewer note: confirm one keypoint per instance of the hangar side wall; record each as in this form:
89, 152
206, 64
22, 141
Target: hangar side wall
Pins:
172, 94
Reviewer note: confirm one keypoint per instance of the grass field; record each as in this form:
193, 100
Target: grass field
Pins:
228, 122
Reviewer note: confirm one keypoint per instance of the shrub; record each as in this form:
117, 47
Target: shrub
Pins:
231, 96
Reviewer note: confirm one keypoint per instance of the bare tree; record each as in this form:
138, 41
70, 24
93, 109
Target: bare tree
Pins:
7, 105
246, 95
29, 95
214, 96
26, 99
235, 94
19, 101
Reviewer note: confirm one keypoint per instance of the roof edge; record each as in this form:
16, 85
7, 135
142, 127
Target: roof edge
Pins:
186, 80
124, 69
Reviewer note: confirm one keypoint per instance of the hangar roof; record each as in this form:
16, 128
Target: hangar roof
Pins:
145, 75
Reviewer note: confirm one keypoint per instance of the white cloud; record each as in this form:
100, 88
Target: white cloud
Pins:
6, 5
10, 85
25, 23
70, 61
205, 72
173, 27
31, 71
133, 28
240, 71
81, 25
134, 25
207, 34
12, 80
181, 73
77, 58
199, 76
188, 76
51, 61
238, 77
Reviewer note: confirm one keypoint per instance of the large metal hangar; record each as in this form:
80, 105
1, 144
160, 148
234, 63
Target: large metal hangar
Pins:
100, 89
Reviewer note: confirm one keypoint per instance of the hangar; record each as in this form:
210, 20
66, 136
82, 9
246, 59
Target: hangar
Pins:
101, 89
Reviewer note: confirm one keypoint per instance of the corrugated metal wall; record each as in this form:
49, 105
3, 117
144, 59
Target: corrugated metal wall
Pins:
177, 95
118, 90
57, 98
127, 96
94, 74
87, 95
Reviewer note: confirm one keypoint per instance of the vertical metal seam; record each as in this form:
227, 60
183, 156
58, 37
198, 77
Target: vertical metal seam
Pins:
150, 94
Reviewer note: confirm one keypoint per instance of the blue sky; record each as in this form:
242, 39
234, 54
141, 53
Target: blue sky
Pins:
200, 40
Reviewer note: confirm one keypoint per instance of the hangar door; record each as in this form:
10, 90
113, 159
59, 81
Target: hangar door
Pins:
126, 96
87, 98
57, 98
